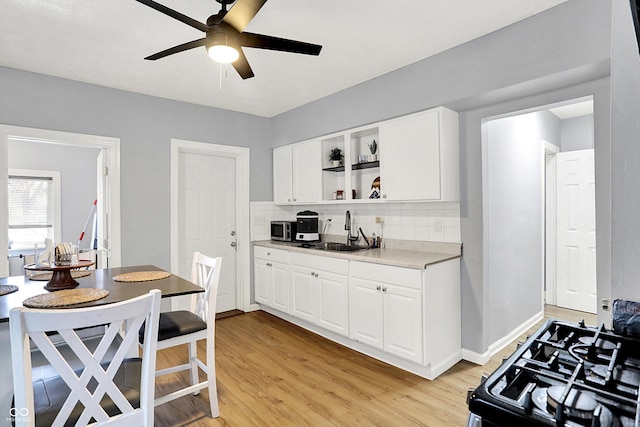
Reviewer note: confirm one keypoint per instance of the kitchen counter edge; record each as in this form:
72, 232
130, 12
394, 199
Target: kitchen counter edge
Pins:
394, 257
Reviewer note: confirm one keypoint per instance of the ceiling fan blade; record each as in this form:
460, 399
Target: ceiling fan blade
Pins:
261, 41
242, 66
175, 15
242, 12
180, 48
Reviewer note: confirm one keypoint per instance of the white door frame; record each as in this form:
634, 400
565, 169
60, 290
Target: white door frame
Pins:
241, 156
111, 147
549, 213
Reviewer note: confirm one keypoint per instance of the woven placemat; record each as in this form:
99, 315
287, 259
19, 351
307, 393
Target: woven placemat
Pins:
47, 276
7, 289
65, 297
141, 276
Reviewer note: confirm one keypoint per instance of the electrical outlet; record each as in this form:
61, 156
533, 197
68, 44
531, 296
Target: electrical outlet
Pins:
378, 220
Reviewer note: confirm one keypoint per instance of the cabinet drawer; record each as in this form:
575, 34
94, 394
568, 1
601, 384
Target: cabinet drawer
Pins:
334, 265
271, 254
407, 277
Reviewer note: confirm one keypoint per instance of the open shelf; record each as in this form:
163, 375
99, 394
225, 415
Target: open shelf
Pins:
334, 169
367, 165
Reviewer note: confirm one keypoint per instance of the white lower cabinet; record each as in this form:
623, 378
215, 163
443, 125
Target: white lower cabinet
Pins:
408, 317
386, 315
320, 291
271, 277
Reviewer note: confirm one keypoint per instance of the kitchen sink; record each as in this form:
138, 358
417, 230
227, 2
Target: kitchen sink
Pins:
338, 247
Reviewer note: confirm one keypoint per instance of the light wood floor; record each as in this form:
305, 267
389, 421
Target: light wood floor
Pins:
273, 373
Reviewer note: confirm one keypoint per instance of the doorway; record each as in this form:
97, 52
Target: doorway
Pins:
523, 261
210, 214
109, 193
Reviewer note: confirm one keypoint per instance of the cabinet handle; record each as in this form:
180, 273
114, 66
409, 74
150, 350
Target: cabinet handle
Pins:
288, 200
313, 273
384, 289
384, 196
316, 274
377, 288
294, 199
269, 264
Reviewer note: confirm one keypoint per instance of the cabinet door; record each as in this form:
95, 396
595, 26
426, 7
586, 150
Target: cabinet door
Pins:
282, 175
333, 302
365, 312
410, 157
280, 286
306, 171
403, 322
262, 281
302, 293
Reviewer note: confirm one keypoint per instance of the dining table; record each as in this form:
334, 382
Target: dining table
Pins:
170, 286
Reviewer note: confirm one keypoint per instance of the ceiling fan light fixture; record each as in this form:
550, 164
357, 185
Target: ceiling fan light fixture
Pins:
220, 51
223, 54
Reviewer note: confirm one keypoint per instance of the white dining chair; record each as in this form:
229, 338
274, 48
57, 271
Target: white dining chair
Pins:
188, 327
116, 392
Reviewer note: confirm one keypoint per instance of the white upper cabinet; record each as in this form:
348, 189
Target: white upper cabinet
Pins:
296, 172
282, 175
410, 158
419, 156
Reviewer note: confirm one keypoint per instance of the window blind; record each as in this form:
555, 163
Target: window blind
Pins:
30, 202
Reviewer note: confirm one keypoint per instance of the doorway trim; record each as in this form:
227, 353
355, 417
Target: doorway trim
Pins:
549, 215
242, 157
111, 147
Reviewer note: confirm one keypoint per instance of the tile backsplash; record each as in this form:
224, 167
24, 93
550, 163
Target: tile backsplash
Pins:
429, 221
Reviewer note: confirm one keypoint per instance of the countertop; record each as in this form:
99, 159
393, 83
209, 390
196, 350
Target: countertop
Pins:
389, 256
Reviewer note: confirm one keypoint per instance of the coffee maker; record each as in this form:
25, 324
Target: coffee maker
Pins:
307, 226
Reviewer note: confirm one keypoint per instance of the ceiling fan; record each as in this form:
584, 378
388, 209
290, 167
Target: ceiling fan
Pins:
225, 35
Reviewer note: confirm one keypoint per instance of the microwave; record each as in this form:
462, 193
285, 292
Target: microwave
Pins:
284, 231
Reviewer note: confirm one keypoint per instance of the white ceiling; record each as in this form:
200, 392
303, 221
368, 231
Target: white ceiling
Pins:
570, 111
104, 42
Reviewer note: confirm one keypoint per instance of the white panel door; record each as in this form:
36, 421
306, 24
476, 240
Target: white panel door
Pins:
403, 322
282, 175
303, 284
365, 312
262, 281
280, 286
333, 310
306, 168
206, 218
576, 285
411, 145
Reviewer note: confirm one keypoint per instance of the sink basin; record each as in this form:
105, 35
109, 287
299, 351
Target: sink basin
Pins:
339, 247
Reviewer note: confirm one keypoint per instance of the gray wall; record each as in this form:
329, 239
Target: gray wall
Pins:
145, 126
560, 54
625, 157
577, 133
514, 200
78, 176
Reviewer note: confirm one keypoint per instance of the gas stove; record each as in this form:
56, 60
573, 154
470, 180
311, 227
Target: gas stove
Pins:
565, 374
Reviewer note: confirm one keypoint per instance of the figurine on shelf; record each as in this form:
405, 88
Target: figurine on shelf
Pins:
335, 155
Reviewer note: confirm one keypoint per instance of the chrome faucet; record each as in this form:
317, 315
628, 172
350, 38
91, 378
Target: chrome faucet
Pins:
347, 226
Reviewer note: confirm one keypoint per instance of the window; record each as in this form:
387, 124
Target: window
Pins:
34, 213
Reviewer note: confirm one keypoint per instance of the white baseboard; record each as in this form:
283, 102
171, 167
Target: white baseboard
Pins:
483, 358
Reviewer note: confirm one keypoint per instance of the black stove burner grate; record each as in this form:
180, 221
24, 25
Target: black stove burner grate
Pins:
565, 375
